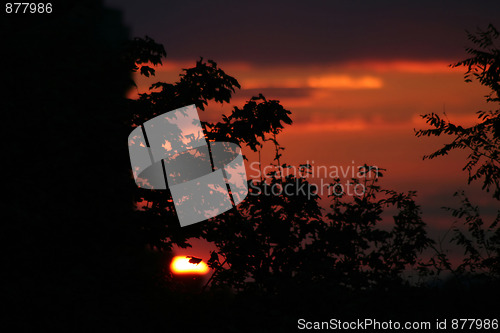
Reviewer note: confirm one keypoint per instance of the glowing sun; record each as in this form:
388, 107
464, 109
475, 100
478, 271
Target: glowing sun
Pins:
188, 265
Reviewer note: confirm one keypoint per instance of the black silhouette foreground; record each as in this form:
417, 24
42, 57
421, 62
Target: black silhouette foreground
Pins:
78, 257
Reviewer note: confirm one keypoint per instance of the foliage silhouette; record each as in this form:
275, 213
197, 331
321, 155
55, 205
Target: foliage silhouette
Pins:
481, 243
483, 139
275, 241
375, 257
140, 51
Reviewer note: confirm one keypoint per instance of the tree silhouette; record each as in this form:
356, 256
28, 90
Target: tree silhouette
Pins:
365, 255
276, 240
481, 140
198, 85
480, 241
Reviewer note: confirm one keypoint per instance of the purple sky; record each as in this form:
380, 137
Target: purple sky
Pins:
299, 32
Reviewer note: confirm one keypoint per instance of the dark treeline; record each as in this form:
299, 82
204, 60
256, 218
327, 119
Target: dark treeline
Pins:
79, 257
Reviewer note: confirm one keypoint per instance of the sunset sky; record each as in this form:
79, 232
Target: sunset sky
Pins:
355, 74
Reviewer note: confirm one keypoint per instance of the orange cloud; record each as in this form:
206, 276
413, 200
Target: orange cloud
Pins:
329, 81
345, 82
274, 82
356, 124
403, 66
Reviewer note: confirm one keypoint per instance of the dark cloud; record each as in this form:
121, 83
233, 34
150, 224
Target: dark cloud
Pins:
272, 32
